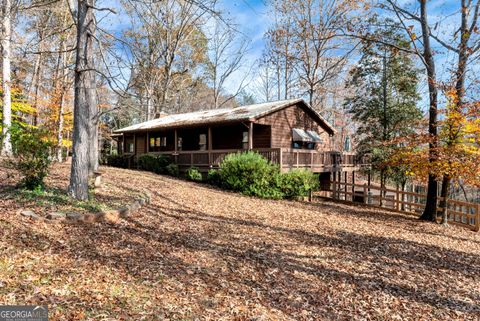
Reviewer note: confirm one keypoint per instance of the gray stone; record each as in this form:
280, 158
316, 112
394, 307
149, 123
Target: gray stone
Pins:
56, 216
124, 211
141, 201
134, 206
74, 216
30, 214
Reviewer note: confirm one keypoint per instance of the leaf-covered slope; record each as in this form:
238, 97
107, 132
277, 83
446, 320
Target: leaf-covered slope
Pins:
198, 252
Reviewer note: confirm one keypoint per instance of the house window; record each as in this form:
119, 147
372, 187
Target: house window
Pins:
245, 140
297, 145
303, 145
157, 143
179, 143
131, 147
305, 139
202, 142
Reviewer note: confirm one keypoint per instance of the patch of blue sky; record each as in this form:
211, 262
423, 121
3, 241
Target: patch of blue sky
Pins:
252, 19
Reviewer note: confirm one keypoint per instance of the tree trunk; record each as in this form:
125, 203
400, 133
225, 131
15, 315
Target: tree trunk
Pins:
36, 82
382, 186
60, 127
444, 194
6, 71
93, 162
429, 213
84, 98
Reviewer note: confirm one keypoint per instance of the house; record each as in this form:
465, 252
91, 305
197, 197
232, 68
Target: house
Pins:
289, 133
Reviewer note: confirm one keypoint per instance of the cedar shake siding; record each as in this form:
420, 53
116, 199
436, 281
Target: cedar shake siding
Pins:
282, 123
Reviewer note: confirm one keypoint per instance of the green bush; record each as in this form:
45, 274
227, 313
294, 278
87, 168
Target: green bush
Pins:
214, 177
172, 170
193, 174
154, 163
118, 160
32, 153
297, 183
250, 174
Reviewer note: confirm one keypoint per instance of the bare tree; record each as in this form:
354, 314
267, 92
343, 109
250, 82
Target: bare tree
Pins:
85, 108
406, 16
169, 29
61, 82
227, 50
6, 39
280, 47
320, 53
265, 84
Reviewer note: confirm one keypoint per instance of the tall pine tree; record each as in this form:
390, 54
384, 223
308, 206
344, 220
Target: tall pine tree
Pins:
385, 99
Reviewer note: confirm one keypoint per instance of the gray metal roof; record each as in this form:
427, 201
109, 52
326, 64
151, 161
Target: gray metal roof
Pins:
243, 113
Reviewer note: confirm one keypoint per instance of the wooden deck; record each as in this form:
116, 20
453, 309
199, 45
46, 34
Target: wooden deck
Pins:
287, 158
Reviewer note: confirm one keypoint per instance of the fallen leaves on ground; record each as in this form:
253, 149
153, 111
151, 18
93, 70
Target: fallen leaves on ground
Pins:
200, 253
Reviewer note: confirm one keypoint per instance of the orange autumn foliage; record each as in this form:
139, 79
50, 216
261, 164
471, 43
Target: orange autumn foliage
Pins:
458, 153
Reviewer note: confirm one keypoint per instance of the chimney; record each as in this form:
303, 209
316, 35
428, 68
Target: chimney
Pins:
160, 114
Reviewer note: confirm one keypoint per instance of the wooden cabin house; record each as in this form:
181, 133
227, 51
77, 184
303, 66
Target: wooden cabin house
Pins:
289, 133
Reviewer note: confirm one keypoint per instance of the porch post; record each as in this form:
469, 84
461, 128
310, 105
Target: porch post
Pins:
250, 136
148, 142
134, 150
134, 143
209, 137
175, 146
334, 183
281, 159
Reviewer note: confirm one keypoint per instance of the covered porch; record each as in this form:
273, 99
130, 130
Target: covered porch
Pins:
205, 147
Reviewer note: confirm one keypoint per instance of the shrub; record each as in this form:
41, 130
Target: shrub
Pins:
297, 183
153, 163
32, 156
214, 177
193, 174
172, 170
250, 174
117, 160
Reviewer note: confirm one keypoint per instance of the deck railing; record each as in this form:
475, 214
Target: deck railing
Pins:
286, 158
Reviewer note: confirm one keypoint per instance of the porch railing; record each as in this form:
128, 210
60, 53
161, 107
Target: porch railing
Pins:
286, 158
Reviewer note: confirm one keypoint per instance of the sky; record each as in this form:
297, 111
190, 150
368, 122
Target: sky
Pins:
249, 16
252, 20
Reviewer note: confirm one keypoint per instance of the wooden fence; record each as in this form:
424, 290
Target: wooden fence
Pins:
459, 213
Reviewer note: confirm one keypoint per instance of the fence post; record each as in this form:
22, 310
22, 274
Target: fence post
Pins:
353, 186
397, 196
334, 186
365, 195
477, 219
346, 186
